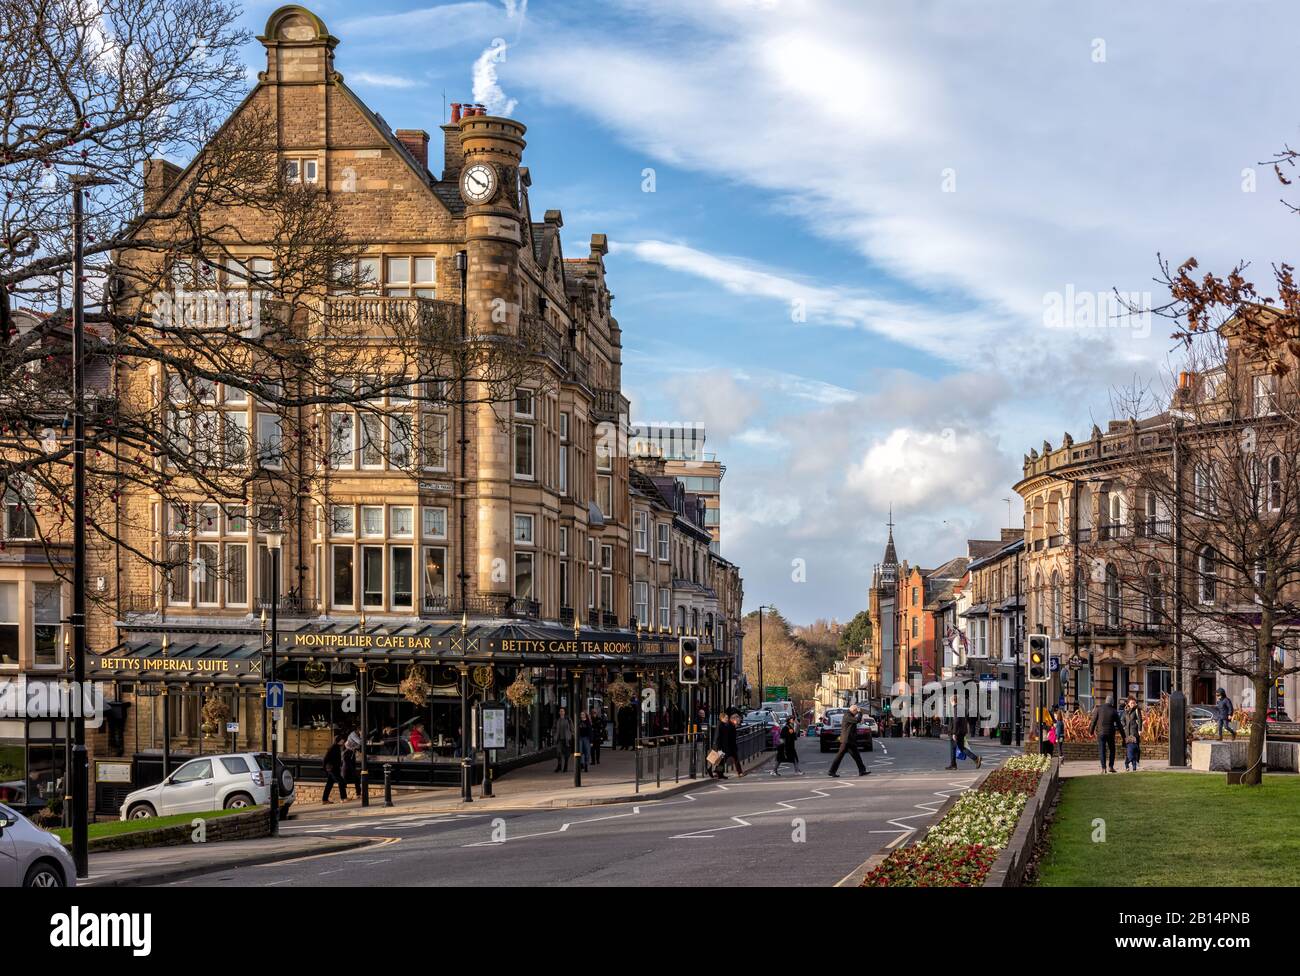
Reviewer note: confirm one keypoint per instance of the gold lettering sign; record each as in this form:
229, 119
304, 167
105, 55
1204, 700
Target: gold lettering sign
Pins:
521, 646
200, 664
360, 642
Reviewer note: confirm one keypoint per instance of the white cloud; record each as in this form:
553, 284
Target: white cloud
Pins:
380, 80
487, 90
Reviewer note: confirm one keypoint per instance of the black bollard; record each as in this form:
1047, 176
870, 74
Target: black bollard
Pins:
388, 784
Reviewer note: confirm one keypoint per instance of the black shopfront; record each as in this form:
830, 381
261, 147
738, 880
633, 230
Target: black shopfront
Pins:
201, 690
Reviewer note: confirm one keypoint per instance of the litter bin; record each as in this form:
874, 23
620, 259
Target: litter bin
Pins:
1005, 735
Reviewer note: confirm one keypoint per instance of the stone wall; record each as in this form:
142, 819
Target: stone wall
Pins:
237, 826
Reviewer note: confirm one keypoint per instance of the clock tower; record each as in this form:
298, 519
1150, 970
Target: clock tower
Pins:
489, 184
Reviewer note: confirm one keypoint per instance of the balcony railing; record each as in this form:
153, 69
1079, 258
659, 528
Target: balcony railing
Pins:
606, 404
1110, 531
1154, 528
372, 316
292, 606
566, 616
1085, 535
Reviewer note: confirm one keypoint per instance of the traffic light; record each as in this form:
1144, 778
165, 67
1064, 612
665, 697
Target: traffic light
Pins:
688, 660
1036, 664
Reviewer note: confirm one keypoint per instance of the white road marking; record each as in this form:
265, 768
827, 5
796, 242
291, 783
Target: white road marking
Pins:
740, 820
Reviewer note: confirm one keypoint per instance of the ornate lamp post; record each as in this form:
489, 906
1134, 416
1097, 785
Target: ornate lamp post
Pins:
274, 540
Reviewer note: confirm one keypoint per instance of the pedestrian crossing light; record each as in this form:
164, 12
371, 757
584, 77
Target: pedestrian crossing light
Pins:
688, 660
1036, 665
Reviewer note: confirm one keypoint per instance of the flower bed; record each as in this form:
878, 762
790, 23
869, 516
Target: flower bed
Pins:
1010, 781
959, 850
933, 867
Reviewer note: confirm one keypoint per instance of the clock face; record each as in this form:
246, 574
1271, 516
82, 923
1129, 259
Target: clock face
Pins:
478, 183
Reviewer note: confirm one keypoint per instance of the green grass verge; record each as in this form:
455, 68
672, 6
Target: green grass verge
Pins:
1164, 829
112, 828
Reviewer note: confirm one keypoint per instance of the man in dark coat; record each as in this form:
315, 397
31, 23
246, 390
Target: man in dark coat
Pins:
727, 744
957, 742
1105, 721
849, 741
563, 741
333, 765
1223, 708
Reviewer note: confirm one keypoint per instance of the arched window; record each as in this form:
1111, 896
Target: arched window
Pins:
1056, 604
1153, 600
1083, 511
1081, 601
1036, 611
1112, 597
1207, 572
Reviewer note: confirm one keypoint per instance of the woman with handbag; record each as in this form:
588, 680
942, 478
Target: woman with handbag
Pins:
1130, 723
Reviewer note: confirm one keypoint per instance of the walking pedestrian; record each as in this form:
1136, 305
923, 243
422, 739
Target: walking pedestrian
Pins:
1057, 735
333, 765
1103, 723
1223, 705
787, 751
351, 753
957, 743
563, 741
726, 744
1131, 725
848, 741
584, 739
598, 725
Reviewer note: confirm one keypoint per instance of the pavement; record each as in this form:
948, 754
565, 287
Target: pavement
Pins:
805, 830
165, 865
538, 786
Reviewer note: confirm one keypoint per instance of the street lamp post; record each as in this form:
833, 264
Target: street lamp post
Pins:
274, 540
466, 761
79, 771
761, 608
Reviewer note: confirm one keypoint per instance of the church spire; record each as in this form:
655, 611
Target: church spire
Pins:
891, 555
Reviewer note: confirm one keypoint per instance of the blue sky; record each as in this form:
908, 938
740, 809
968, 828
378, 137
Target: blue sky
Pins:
862, 215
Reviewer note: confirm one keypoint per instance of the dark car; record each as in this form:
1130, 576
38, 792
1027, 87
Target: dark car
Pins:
829, 736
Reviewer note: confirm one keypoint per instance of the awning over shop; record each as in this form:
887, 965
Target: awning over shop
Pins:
235, 653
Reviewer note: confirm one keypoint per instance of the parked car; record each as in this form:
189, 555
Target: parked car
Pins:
830, 732
223, 782
31, 857
814, 729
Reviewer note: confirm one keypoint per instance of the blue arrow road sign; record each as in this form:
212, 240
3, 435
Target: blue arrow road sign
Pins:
275, 694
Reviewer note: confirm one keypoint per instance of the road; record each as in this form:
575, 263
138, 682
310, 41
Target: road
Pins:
803, 830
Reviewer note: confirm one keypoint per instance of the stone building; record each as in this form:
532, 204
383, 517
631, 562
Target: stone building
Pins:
406, 541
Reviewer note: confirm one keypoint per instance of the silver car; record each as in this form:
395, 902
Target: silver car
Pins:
231, 781
31, 857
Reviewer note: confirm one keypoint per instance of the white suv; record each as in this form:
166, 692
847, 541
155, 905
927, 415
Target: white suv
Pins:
223, 782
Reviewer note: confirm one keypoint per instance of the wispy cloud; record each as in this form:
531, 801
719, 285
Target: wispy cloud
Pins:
487, 90
378, 80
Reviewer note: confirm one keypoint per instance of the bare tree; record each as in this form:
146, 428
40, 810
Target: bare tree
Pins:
237, 314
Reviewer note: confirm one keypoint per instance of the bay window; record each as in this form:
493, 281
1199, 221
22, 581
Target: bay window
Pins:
372, 576
47, 623
435, 572
523, 576
402, 569
344, 595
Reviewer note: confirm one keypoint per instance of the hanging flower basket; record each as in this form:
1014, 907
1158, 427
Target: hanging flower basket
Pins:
522, 692
216, 713
620, 693
415, 686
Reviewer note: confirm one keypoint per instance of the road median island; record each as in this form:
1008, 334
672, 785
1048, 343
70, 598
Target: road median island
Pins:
979, 837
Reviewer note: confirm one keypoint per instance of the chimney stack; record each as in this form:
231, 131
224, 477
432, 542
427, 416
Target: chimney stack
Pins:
455, 112
159, 175
417, 141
